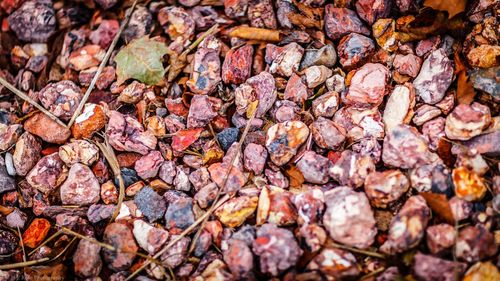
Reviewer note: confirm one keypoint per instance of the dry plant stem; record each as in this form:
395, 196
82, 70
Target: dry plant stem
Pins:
22, 264
359, 251
45, 242
101, 66
373, 273
22, 243
233, 160
30, 101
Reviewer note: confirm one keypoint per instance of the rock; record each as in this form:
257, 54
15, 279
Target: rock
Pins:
425, 113
34, 21
127, 134
132, 93
284, 139
149, 238
48, 130
81, 187
399, 107
206, 195
434, 77
179, 214
486, 144
235, 180
485, 80
433, 131
277, 249
91, 120
239, 258
296, 90
79, 151
8, 243
427, 267
468, 185
342, 21
260, 87
484, 56
234, 212
61, 98
440, 237
206, 67
36, 232
326, 105
16, 219
86, 57
201, 111
9, 135
325, 55
152, 205
360, 123
335, 263
287, 60
176, 254
371, 10
408, 226
354, 49
314, 167
327, 134
105, 32
348, 217
237, 65
368, 85
109, 193
467, 121
27, 153
167, 172
482, 271
100, 212
254, 158
383, 188
310, 205
148, 165
121, 238
227, 137
407, 64
87, 259
261, 14
316, 75
405, 148
48, 173
140, 24
475, 243
351, 169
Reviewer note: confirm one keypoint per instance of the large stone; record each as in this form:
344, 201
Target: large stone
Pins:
81, 187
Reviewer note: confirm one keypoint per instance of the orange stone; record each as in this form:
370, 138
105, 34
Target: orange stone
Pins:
469, 186
91, 120
36, 232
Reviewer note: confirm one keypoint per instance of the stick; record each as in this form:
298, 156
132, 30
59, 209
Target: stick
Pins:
29, 100
101, 66
22, 264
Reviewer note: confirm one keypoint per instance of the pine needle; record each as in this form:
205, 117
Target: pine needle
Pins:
45, 242
29, 100
22, 243
358, 251
22, 264
101, 66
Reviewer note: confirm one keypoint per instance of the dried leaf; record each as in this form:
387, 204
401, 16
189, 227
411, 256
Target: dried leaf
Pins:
465, 90
453, 7
212, 156
444, 152
252, 108
184, 138
295, 175
439, 205
141, 59
254, 33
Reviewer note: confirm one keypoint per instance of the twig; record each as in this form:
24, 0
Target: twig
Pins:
45, 242
359, 251
22, 243
22, 264
26, 98
102, 65
373, 273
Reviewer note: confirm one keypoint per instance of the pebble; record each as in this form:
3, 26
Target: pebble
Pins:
468, 185
109, 193
48, 130
287, 60
201, 111
342, 21
434, 78
91, 120
404, 147
407, 228
127, 134
260, 87
176, 254
427, 267
314, 167
149, 238
239, 258
284, 139
440, 237
105, 32
34, 21
383, 188
179, 214
235, 180
237, 65
16, 219
100, 212
467, 121
132, 93
87, 260
9, 134
433, 131
276, 207
26, 153
254, 158
485, 80
8, 243
296, 90
206, 67
327, 134
79, 151
355, 49
335, 263
351, 169
484, 56
121, 238
234, 212
81, 188
148, 165
36, 232
326, 105
261, 14
349, 218
368, 85
47, 174
399, 107
482, 271
371, 10
425, 113
181, 181
310, 205
140, 24
86, 57
326, 56
475, 243
227, 137
408, 64
152, 205
316, 75
276, 248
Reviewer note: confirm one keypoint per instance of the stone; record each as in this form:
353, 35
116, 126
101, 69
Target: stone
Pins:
127, 134
260, 87
140, 24
149, 238
355, 49
475, 243
427, 267
26, 153
179, 214
327, 134
485, 80
36, 232
342, 21
47, 129
132, 93
408, 227
468, 185
235, 179
276, 248
105, 32
399, 107
9, 135
440, 237
316, 75
148, 165
296, 90
261, 14
176, 254
335, 263
109, 193
287, 60
326, 56
239, 258
86, 57
121, 238
349, 218
100, 212
152, 205
234, 212
482, 271
8, 243
87, 259
467, 121
201, 111
79, 151
383, 188
434, 78
425, 113
433, 131
34, 21
284, 139
484, 56
408, 64
206, 67
81, 188
254, 158
237, 65
227, 137
368, 85
351, 169
91, 120
310, 205
48, 174
326, 105
314, 167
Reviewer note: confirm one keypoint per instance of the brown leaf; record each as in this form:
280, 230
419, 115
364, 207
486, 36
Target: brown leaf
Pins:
444, 152
252, 107
295, 175
453, 7
439, 205
254, 33
465, 90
